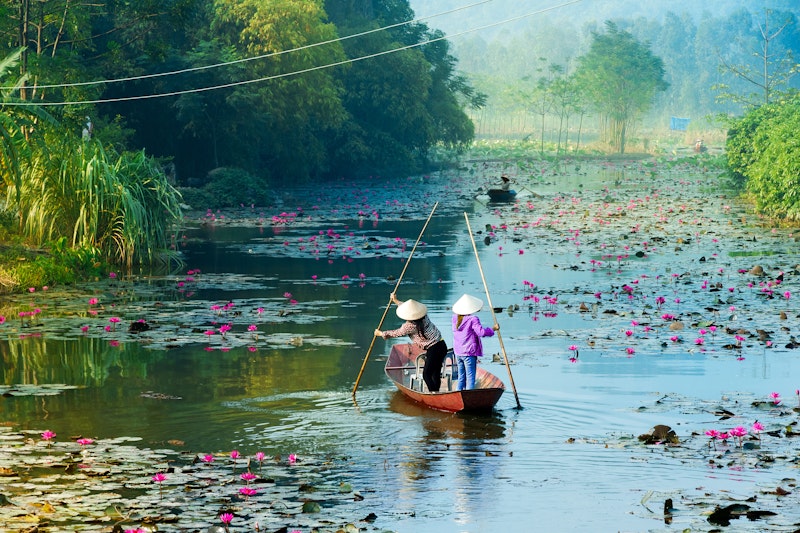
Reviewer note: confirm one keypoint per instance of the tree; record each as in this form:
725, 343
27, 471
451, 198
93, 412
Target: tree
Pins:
774, 68
621, 77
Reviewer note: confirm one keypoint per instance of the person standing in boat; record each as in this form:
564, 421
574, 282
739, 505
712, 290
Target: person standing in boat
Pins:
422, 333
467, 333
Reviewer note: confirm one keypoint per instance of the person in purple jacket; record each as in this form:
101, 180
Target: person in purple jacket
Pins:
467, 333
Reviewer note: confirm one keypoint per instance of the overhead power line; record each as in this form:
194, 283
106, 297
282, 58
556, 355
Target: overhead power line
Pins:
254, 58
292, 73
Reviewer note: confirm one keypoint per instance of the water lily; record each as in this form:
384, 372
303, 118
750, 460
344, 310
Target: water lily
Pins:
47, 436
226, 519
247, 491
234, 456
159, 478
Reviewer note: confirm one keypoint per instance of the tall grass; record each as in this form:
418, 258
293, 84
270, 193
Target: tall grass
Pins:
118, 204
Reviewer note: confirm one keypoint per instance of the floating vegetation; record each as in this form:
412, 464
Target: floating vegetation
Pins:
24, 389
83, 484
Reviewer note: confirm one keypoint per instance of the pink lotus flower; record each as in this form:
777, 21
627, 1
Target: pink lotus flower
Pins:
48, 436
226, 518
292, 458
93, 301
247, 491
208, 458
159, 478
248, 477
630, 350
84, 442
776, 398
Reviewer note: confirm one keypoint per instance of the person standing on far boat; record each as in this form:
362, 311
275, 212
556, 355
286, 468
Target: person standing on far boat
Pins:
467, 333
422, 333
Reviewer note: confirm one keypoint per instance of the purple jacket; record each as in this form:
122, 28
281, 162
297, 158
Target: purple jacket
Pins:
467, 337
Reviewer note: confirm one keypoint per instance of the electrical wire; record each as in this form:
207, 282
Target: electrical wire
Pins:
288, 74
263, 56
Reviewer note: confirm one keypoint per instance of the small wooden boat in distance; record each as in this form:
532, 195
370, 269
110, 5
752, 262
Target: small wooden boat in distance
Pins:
404, 368
501, 195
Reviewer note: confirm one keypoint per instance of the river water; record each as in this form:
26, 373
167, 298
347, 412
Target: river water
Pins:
313, 275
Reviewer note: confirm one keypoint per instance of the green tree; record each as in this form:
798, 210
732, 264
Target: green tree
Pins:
294, 112
621, 77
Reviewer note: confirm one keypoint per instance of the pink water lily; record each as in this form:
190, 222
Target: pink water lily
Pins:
47, 436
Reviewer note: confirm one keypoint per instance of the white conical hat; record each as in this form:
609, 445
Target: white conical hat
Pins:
411, 310
466, 305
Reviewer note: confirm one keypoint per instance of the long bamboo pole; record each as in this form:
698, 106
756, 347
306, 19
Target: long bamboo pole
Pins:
494, 317
389, 305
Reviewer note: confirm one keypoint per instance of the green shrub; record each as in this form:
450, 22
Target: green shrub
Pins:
234, 187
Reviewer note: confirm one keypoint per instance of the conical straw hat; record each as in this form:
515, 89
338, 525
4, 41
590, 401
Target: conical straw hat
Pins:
466, 305
411, 310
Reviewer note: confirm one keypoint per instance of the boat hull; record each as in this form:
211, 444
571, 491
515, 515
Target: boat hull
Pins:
404, 371
499, 195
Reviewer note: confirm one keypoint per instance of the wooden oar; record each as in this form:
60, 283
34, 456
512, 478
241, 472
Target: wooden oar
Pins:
389, 305
494, 317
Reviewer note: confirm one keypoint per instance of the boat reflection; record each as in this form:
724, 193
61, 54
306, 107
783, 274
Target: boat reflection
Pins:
441, 425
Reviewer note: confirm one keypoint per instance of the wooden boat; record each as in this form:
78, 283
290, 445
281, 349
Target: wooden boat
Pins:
404, 368
500, 195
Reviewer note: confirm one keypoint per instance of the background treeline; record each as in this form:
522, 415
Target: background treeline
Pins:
373, 115
702, 46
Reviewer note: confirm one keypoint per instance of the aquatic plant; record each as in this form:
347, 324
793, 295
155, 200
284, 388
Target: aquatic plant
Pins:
159, 478
226, 519
47, 436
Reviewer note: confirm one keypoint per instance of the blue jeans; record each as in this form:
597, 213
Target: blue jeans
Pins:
466, 372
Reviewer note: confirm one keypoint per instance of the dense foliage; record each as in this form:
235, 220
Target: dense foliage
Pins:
90, 203
762, 148
264, 86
